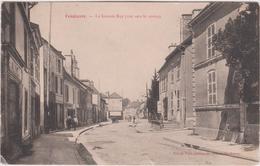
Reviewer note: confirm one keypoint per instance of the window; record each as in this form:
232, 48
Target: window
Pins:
172, 76
178, 73
163, 85
73, 96
178, 100
56, 84
166, 83
171, 99
45, 79
52, 81
66, 93
25, 109
160, 86
210, 46
212, 88
78, 97
61, 87
20, 33
59, 66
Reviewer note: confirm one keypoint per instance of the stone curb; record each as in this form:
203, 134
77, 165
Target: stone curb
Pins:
198, 147
89, 152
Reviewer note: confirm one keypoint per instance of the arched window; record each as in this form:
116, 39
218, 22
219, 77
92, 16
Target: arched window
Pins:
212, 87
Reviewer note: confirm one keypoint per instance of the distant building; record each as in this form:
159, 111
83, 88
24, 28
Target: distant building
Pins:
85, 105
71, 97
133, 110
103, 109
115, 106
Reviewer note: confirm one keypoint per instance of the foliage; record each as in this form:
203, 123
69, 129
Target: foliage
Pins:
153, 96
125, 102
239, 44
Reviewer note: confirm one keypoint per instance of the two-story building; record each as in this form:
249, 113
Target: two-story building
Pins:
176, 79
54, 84
211, 72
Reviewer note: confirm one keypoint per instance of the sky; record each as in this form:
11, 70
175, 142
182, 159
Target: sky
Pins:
117, 45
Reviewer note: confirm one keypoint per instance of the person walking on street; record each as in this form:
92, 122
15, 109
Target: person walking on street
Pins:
75, 122
68, 121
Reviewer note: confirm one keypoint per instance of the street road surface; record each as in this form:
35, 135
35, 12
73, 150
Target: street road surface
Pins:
119, 143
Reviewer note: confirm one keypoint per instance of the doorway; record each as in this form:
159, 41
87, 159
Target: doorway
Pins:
14, 127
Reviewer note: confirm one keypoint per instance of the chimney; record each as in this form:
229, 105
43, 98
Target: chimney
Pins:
86, 82
185, 31
195, 12
92, 83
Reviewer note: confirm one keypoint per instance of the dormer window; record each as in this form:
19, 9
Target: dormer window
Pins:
210, 46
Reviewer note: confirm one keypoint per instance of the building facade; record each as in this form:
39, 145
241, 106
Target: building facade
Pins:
19, 78
34, 62
115, 107
211, 73
53, 88
176, 79
85, 105
71, 97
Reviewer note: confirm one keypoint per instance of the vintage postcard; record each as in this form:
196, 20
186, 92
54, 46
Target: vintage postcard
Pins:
130, 83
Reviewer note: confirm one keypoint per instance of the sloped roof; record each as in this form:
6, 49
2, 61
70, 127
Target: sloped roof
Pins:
115, 95
104, 95
179, 48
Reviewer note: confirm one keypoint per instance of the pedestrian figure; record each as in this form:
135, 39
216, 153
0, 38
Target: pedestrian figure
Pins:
75, 122
134, 119
68, 122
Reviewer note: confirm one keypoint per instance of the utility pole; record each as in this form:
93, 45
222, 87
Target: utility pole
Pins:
49, 65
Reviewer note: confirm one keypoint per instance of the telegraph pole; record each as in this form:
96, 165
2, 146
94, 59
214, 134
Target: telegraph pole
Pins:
48, 120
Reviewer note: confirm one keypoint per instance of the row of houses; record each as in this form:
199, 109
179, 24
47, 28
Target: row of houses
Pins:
40, 86
193, 80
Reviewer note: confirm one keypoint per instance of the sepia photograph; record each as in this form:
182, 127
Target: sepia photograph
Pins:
129, 83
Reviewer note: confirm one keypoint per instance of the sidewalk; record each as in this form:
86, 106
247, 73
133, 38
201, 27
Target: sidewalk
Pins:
74, 134
52, 149
60, 148
185, 137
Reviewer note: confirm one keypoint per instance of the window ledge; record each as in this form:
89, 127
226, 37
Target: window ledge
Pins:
217, 107
208, 62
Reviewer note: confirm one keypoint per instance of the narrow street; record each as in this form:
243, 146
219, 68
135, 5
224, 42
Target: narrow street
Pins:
130, 83
120, 143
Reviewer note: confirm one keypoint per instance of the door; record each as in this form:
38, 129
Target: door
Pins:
165, 108
14, 129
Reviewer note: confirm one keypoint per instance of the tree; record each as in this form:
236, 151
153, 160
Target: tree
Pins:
153, 96
239, 44
125, 102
